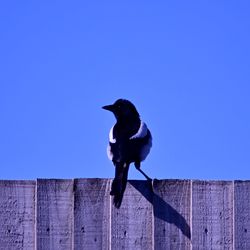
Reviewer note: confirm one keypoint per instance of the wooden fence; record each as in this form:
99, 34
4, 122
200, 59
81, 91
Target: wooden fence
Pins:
78, 214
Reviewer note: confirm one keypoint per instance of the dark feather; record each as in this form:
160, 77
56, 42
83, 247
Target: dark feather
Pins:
119, 183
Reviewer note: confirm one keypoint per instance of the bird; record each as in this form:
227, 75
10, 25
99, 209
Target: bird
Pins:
130, 141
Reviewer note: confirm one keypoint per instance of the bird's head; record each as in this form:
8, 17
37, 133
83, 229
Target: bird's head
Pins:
123, 110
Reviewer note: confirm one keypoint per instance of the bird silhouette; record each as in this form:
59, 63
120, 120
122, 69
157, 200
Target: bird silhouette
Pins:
129, 141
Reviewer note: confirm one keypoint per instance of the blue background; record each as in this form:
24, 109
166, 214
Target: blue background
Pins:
184, 64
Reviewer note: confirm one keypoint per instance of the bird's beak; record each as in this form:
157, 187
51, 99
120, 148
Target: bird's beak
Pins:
109, 107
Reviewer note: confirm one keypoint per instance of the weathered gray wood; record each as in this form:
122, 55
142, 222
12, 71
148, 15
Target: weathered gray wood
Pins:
242, 214
17, 215
172, 214
131, 225
79, 214
91, 214
54, 214
212, 215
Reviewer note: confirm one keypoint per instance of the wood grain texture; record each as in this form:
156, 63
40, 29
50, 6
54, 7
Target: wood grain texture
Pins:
131, 225
212, 215
79, 214
91, 214
54, 214
242, 215
172, 214
17, 215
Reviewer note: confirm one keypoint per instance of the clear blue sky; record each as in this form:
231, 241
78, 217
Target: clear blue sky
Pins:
185, 65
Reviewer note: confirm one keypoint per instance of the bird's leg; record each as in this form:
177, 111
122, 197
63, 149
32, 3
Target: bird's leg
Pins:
146, 176
138, 167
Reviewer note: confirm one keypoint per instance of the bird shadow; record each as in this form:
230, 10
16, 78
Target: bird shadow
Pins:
162, 210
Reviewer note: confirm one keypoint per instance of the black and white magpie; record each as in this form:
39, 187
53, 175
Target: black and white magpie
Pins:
129, 141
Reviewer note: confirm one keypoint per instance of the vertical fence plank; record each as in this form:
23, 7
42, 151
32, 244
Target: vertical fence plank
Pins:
242, 214
54, 214
131, 224
91, 214
212, 215
172, 214
17, 215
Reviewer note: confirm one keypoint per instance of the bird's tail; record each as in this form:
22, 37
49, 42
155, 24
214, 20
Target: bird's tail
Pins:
119, 183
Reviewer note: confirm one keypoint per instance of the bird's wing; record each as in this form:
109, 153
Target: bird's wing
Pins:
142, 131
111, 136
142, 141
